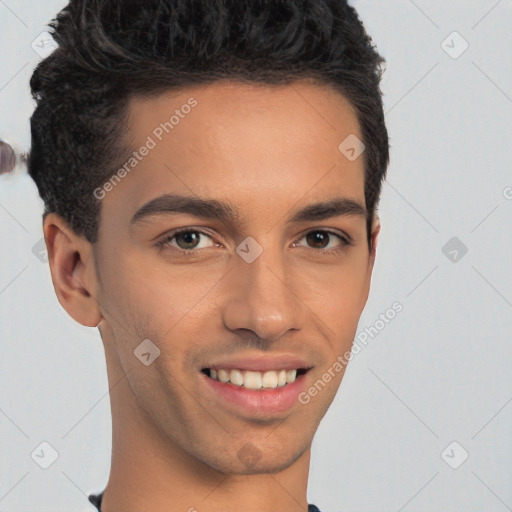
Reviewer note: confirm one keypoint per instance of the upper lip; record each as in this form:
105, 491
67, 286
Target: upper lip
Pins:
281, 362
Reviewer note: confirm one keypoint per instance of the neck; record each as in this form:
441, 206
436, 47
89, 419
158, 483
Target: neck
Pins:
150, 472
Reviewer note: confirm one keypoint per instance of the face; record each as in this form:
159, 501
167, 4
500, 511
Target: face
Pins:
259, 285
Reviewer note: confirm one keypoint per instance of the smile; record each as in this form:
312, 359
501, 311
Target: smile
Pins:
254, 379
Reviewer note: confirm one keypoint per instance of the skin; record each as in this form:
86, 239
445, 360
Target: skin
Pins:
269, 151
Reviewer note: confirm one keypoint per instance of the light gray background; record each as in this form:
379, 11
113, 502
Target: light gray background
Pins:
438, 373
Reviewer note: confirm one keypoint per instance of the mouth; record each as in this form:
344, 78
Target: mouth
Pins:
255, 380
264, 394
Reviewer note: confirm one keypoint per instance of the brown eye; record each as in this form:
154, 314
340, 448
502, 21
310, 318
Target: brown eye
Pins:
187, 239
318, 239
184, 240
321, 238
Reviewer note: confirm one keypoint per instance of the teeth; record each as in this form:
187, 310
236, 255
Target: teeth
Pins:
291, 375
252, 380
236, 377
269, 380
255, 380
223, 375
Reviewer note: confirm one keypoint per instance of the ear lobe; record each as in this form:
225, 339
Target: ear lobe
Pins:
68, 256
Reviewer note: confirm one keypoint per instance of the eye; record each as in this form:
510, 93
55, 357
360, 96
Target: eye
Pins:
187, 241
322, 239
184, 240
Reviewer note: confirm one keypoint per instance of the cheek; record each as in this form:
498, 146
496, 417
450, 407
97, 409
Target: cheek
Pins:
339, 296
345, 279
161, 298
169, 308
138, 289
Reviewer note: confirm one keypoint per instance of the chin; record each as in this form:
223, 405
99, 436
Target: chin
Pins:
250, 460
269, 467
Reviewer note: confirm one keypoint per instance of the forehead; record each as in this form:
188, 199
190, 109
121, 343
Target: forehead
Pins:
301, 110
269, 146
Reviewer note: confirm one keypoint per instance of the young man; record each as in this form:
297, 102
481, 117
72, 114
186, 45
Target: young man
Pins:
211, 173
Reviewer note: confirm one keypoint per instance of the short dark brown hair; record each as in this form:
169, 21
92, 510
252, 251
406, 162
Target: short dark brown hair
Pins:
111, 50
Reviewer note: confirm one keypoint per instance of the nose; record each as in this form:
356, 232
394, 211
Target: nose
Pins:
263, 299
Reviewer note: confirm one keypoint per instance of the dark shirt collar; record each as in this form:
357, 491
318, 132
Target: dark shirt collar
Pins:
95, 499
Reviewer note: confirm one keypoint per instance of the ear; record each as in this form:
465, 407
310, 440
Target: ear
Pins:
375, 230
72, 269
374, 236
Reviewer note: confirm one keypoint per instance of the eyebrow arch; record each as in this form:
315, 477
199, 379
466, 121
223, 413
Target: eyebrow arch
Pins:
223, 211
172, 203
335, 207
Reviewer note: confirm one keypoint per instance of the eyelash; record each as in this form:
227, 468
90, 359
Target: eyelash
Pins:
346, 242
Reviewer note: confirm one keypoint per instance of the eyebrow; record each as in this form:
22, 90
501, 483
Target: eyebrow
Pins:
227, 213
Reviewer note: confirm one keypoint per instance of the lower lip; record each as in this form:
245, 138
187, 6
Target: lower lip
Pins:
258, 401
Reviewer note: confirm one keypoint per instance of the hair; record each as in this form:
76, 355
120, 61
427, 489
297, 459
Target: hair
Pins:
111, 50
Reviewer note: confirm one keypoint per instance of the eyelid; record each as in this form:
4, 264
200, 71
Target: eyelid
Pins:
341, 235
164, 241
